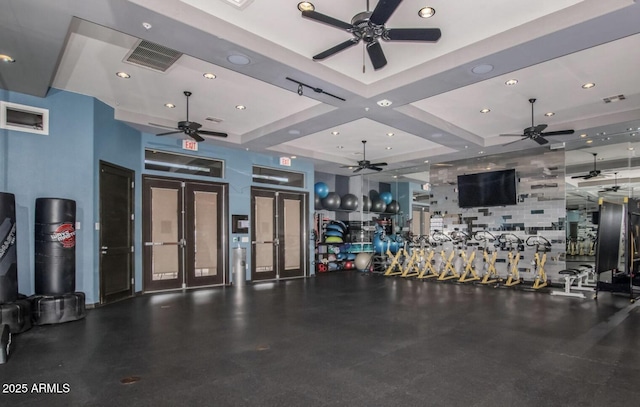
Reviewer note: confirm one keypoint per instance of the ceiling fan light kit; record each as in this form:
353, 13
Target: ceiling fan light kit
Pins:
365, 164
369, 26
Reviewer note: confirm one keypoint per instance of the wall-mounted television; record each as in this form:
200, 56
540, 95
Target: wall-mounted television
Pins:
495, 188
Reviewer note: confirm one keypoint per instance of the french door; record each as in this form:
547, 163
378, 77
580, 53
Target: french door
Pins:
278, 234
184, 233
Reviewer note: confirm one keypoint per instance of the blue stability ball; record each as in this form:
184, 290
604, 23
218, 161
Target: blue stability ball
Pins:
393, 207
386, 197
331, 201
322, 189
378, 206
380, 243
349, 202
366, 203
317, 203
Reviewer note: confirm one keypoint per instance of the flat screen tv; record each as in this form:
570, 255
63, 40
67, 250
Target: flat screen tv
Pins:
496, 188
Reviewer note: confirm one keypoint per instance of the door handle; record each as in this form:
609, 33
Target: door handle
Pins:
261, 242
162, 243
104, 248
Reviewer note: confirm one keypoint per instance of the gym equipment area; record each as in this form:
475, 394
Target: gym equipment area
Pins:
322, 204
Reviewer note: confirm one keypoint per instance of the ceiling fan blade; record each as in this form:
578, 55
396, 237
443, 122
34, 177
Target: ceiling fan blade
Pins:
358, 169
378, 164
336, 49
515, 141
580, 176
540, 140
377, 55
511, 135
412, 34
375, 168
383, 11
169, 132
322, 18
194, 135
212, 133
557, 133
539, 128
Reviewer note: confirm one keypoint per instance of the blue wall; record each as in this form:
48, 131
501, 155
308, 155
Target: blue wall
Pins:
58, 165
65, 164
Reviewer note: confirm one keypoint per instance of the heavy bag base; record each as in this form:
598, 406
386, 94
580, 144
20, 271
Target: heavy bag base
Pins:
17, 315
57, 309
5, 343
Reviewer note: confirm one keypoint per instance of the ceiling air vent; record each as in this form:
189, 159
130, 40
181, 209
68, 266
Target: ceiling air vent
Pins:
213, 119
153, 56
614, 98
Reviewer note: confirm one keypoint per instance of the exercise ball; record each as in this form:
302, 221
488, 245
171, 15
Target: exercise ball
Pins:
393, 207
348, 265
321, 189
333, 239
386, 197
363, 261
373, 194
366, 203
393, 244
349, 202
317, 203
378, 205
341, 256
333, 266
332, 232
331, 201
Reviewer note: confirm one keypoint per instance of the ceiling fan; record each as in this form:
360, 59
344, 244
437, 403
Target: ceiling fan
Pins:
365, 164
536, 133
615, 187
192, 129
369, 27
591, 174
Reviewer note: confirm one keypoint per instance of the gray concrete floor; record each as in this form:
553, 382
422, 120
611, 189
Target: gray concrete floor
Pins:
338, 339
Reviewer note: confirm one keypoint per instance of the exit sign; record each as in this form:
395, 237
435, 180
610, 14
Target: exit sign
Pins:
285, 161
189, 145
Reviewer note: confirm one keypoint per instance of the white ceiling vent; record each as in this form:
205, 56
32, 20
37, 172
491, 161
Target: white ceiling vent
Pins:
614, 98
238, 3
153, 56
213, 119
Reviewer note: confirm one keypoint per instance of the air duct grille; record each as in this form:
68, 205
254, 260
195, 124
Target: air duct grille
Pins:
614, 98
153, 56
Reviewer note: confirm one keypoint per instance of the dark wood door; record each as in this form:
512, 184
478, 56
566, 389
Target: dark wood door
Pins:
278, 234
116, 232
205, 234
185, 233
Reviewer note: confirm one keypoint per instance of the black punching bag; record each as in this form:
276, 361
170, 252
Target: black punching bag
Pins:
55, 246
8, 257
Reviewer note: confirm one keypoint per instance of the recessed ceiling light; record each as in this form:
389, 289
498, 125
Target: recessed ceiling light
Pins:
466, 146
209, 75
390, 134
388, 148
306, 6
549, 114
384, 103
340, 147
335, 133
482, 69
630, 129
485, 110
147, 26
488, 168
241, 107
395, 176
588, 85
6, 58
480, 152
426, 12
511, 82
238, 59
169, 105
123, 75
589, 141
634, 134
631, 148
583, 135
293, 157
426, 161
